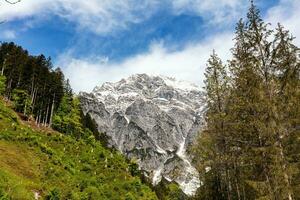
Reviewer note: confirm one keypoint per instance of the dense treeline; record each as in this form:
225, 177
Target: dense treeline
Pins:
250, 147
41, 93
31, 82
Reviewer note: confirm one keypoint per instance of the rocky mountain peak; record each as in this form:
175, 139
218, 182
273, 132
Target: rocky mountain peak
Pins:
152, 119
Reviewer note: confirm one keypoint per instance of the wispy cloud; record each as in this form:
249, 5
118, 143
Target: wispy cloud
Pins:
100, 16
287, 12
8, 34
220, 12
105, 16
186, 64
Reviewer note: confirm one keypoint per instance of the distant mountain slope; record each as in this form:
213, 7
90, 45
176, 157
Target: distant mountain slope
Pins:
36, 164
152, 119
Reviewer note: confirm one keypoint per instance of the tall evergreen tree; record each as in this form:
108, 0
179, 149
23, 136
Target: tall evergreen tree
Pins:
287, 77
212, 159
257, 140
253, 108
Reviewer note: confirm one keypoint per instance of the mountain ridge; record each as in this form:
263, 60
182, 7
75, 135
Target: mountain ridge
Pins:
152, 119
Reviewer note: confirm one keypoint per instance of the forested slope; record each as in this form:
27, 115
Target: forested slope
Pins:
45, 163
57, 150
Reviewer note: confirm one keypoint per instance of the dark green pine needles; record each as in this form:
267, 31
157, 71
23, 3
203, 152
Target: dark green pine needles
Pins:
249, 148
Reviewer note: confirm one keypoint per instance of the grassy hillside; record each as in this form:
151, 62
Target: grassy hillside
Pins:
51, 165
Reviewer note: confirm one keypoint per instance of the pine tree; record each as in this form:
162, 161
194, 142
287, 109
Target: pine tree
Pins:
35, 76
251, 141
251, 108
287, 76
212, 150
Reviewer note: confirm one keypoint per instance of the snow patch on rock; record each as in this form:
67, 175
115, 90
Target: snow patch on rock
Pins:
152, 119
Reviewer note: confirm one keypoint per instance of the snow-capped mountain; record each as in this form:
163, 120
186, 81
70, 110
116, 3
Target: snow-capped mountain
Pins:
152, 119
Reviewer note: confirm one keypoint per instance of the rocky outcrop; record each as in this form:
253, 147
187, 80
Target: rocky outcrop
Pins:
151, 119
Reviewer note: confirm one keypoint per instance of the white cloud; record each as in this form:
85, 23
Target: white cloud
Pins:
8, 34
105, 16
99, 16
287, 12
215, 12
187, 64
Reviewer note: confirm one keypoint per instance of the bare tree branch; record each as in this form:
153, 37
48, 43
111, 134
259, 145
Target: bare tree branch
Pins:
12, 2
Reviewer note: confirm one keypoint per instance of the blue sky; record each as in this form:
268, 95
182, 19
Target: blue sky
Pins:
104, 40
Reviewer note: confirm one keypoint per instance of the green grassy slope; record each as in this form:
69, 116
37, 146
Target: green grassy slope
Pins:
50, 164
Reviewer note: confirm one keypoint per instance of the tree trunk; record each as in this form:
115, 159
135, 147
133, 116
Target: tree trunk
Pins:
47, 113
25, 109
32, 87
244, 192
19, 80
3, 67
228, 185
37, 118
34, 98
40, 117
9, 89
236, 182
52, 110
285, 174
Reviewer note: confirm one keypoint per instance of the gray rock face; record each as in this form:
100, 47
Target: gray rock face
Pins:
151, 119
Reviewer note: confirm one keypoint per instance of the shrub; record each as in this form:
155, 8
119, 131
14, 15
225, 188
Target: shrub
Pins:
2, 84
53, 195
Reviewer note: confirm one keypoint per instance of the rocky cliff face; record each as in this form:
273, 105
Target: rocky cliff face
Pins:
151, 119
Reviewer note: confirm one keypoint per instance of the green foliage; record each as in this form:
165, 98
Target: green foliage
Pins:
10, 187
21, 101
53, 195
35, 77
80, 168
89, 123
134, 168
3, 195
216, 84
2, 84
248, 147
169, 191
211, 150
67, 119
72, 161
